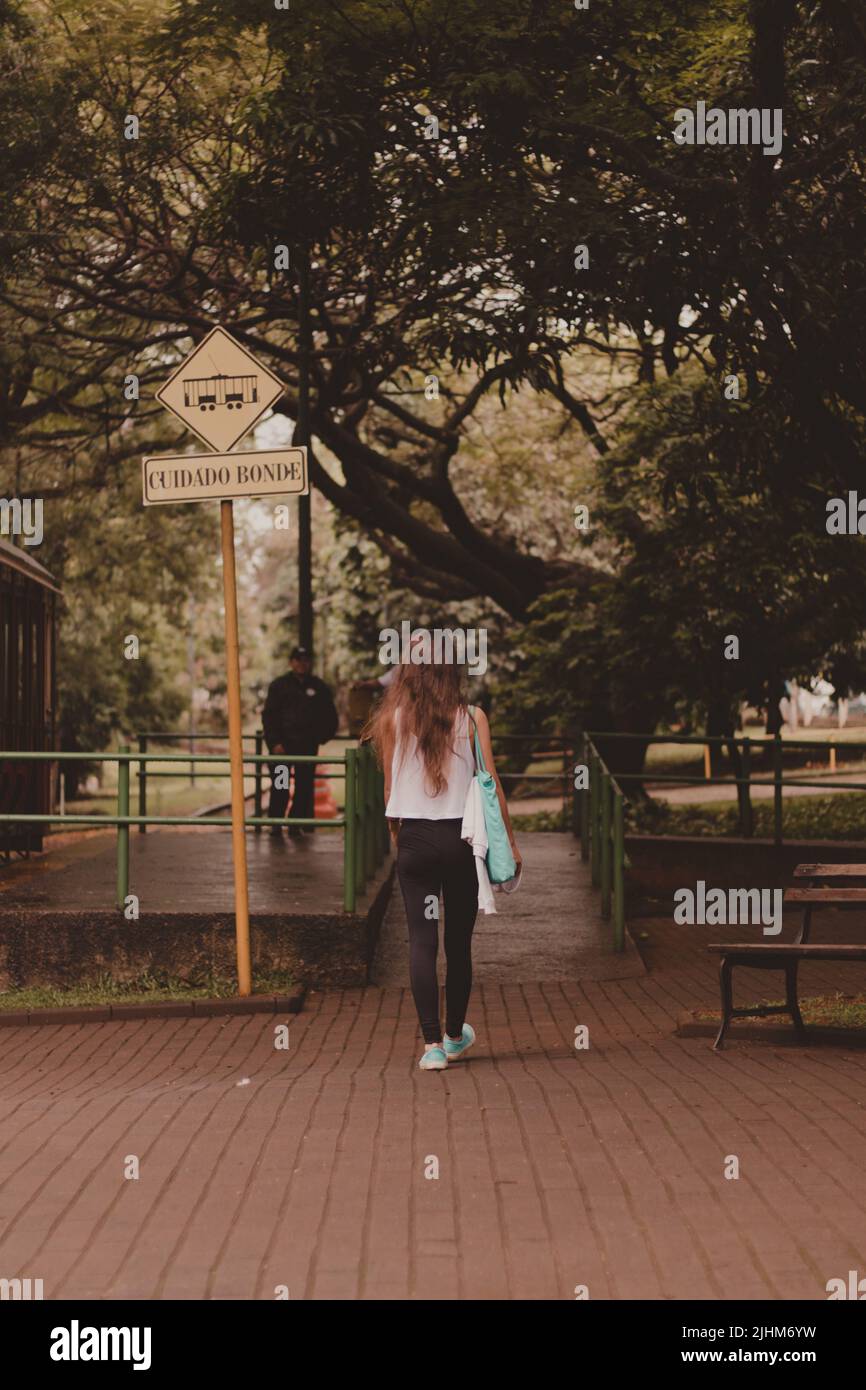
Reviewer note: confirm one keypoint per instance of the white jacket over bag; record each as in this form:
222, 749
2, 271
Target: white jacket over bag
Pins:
474, 830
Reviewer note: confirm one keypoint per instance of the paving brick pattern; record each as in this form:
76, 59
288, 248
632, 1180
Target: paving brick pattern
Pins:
556, 1168
307, 1168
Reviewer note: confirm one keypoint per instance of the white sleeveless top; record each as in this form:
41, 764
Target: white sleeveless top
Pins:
410, 797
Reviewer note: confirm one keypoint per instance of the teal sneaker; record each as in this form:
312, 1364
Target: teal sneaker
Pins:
434, 1059
453, 1050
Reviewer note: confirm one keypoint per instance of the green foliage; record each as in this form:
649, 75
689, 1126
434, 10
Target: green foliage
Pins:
455, 255
804, 818
712, 535
123, 571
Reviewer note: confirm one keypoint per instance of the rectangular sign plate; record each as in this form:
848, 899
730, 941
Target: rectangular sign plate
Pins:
212, 477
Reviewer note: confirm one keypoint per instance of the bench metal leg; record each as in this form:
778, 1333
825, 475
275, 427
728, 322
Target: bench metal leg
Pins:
805, 926
791, 1005
726, 984
791, 998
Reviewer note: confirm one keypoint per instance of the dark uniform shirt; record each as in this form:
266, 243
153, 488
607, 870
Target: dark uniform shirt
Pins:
299, 711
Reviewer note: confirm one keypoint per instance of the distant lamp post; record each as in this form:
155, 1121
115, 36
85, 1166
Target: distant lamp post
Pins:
301, 436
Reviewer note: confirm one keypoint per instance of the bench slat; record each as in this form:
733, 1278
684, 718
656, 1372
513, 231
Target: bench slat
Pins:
780, 948
830, 871
825, 895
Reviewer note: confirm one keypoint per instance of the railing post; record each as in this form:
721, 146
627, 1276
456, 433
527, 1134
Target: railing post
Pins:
583, 803
360, 819
748, 820
594, 841
142, 782
606, 856
257, 794
349, 829
361, 809
122, 830
369, 813
568, 801
777, 789
372, 802
380, 814
375, 828
618, 873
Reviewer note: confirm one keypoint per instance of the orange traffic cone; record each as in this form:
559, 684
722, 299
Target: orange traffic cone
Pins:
326, 806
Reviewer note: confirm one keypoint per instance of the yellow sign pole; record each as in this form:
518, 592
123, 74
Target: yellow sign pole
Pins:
222, 377
233, 679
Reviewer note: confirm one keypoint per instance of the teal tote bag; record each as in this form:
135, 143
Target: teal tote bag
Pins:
500, 861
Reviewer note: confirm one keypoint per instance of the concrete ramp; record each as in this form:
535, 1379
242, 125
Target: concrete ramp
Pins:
59, 924
550, 929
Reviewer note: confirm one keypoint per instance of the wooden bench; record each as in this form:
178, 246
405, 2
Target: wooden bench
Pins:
814, 895
778, 955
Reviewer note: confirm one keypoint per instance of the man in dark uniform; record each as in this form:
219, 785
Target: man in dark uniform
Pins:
299, 714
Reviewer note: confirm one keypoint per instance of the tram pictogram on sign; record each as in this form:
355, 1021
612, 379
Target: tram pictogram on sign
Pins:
220, 391
211, 391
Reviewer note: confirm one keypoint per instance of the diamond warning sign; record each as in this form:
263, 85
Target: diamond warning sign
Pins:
220, 391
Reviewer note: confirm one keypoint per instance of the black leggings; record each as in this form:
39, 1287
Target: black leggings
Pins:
432, 859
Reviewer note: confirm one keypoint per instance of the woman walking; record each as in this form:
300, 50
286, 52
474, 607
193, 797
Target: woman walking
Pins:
423, 733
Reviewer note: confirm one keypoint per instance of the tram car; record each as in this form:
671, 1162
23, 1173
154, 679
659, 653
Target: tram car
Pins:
208, 392
28, 688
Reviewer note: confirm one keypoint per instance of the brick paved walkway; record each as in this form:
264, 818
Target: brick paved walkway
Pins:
556, 1167
308, 1168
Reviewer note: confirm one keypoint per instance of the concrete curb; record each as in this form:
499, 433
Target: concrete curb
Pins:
166, 1008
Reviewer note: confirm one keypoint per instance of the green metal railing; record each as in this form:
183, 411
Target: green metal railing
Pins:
778, 781
599, 821
365, 839
146, 741
551, 745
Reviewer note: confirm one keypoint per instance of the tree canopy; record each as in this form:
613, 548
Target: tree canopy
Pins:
433, 168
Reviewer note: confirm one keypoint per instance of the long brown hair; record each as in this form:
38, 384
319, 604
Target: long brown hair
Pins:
428, 697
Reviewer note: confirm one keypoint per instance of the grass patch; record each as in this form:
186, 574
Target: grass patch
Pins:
829, 817
823, 1011
166, 796
688, 759
542, 820
145, 989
